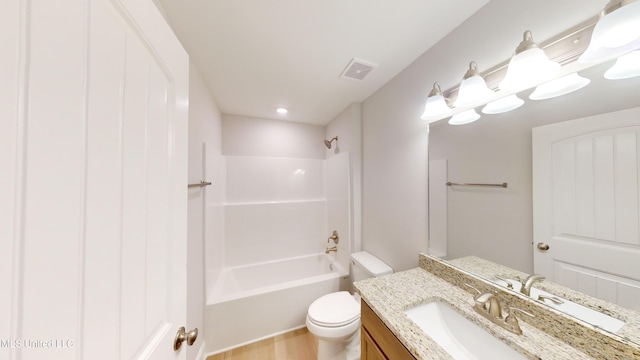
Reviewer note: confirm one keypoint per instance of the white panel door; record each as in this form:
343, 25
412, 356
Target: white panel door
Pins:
586, 203
93, 187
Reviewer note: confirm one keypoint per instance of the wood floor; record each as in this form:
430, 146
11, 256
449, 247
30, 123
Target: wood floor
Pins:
295, 345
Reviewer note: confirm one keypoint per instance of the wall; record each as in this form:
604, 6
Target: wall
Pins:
479, 153
395, 140
348, 127
204, 127
394, 203
275, 208
278, 178
247, 136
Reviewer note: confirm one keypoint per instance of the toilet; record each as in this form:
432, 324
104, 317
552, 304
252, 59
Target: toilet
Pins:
334, 319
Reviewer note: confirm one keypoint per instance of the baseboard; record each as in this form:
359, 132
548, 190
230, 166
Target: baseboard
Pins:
249, 342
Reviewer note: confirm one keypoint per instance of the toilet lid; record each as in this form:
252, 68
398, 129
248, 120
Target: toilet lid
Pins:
335, 309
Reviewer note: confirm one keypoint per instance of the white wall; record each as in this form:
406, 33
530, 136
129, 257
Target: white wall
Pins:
204, 127
275, 208
348, 127
247, 136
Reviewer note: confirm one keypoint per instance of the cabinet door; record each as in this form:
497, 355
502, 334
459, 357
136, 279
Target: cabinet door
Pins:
370, 350
380, 337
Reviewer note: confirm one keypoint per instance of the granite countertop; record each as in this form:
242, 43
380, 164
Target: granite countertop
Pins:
389, 296
489, 270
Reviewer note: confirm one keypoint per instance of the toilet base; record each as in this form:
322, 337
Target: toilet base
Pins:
336, 350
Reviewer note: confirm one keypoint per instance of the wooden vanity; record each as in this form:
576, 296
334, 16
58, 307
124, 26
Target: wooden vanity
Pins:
378, 342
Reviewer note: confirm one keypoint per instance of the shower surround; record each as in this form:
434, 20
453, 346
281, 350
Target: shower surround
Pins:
276, 210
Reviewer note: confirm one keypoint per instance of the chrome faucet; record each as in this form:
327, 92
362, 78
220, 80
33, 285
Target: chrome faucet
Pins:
336, 238
488, 303
489, 307
528, 282
331, 249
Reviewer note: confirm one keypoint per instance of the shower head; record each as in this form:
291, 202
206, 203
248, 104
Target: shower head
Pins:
328, 143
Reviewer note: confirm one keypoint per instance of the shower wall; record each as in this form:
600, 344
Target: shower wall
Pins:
279, 208
275, 208
280, 198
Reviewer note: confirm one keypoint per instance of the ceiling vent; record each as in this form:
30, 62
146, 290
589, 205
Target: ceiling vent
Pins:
357, 69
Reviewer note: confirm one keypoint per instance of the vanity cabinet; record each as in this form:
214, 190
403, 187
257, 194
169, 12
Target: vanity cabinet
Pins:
378, 342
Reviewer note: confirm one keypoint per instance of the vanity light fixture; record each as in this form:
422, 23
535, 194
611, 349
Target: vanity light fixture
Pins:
473, 89
465, 117
558, 87
436, 107
616, 33
503, 105
529, 66
627, 66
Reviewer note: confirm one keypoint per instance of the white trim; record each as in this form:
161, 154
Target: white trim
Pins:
254, 341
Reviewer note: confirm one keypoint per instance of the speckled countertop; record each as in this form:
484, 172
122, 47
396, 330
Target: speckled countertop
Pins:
489, 270
389, 296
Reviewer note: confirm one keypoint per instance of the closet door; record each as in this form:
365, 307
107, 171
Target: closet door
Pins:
93, 106
586, 201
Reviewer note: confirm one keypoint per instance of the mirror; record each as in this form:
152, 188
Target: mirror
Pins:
496, 223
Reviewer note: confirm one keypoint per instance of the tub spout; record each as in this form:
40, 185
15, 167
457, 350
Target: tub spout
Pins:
331, 249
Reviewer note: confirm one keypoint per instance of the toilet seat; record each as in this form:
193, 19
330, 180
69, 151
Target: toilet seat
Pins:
334, 310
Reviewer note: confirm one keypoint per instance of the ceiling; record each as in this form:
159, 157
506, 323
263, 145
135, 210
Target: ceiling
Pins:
257, 55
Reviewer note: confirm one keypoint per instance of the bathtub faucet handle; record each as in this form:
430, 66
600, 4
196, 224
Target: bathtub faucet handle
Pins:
334, 236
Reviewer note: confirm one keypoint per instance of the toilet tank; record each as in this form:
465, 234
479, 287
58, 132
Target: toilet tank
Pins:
365, 265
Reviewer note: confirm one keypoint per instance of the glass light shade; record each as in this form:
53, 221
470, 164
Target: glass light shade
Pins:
464, 117
559, 87
473, 91
503, 105
615, 34
627, 66
528, 68
436, 107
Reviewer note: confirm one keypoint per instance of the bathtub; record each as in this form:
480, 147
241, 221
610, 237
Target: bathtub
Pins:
253, 302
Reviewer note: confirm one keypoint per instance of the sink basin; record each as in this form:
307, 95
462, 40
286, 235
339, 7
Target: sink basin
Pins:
457, 335
569, 307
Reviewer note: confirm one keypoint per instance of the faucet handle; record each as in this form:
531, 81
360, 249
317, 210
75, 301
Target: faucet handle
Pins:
509, 284
474, 288
520, 310
334, 236
512, 320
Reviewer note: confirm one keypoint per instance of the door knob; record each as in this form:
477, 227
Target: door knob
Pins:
543, 246
182, 336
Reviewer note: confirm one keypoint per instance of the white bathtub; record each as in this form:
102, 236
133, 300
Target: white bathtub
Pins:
253, 302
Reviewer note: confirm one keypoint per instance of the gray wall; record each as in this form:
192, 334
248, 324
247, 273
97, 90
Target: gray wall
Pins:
395, 140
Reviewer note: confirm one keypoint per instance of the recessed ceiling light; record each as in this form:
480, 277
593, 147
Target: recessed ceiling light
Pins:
282, 110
